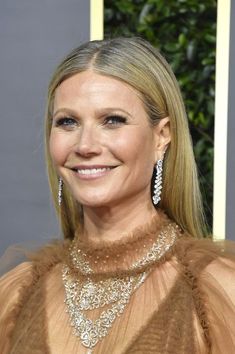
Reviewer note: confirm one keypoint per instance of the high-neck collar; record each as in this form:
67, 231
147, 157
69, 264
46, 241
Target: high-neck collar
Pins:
128, 254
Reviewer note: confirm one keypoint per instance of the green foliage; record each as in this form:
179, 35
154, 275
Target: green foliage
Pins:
185, 32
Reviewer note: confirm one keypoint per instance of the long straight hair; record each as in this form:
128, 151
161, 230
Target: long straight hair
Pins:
137, 63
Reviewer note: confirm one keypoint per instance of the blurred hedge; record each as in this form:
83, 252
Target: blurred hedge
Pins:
185, 32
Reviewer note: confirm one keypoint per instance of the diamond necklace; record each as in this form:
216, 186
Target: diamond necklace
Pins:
83, 295
88, 295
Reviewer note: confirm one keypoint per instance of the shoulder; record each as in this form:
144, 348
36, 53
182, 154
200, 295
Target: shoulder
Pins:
38, 264
199, 253
211, 268
39, 260
12, 285
17, 284
209, 262
217, 282
14, 279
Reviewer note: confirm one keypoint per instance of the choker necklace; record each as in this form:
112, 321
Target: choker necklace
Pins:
84, 293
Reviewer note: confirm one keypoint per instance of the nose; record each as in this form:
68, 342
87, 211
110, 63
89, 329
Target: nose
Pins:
88, 142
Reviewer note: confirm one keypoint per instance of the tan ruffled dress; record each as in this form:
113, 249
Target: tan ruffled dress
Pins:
186, 305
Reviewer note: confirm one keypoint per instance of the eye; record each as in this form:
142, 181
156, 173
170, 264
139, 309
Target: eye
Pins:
115, 120
66, 122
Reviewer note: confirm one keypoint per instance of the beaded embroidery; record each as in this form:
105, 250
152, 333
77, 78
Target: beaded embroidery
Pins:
83, 295
164, 242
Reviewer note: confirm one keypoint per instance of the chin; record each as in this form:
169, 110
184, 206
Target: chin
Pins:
94, 201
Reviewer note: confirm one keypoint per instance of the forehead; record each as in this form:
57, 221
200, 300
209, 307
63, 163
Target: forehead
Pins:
95, 89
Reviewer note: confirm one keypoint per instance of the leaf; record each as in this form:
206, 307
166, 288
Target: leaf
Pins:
144, 12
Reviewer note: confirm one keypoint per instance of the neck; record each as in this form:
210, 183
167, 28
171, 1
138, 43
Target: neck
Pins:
110, 223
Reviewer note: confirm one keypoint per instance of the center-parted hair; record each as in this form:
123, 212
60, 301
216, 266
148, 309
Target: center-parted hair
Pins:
137, 63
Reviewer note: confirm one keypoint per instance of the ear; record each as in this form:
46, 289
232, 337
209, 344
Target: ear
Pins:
162, 136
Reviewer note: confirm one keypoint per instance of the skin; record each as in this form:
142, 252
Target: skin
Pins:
104, 148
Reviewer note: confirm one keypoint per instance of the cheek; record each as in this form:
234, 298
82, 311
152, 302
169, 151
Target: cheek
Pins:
135, 148
59, 148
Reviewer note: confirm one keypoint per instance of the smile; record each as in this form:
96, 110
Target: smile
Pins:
93, 171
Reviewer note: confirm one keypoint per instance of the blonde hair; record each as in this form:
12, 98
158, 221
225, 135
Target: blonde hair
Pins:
137, 63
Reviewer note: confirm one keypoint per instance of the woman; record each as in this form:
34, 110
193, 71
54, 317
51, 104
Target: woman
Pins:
131, 275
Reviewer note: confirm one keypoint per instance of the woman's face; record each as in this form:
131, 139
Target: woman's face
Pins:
101, 142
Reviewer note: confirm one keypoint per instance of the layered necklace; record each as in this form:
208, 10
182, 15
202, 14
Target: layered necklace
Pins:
84, 293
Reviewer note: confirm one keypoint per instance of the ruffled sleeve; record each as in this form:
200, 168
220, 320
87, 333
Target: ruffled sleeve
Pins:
211, 268
217, 281
12, 285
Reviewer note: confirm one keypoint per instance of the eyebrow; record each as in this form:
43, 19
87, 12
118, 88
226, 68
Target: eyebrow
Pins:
102, 111
64, 110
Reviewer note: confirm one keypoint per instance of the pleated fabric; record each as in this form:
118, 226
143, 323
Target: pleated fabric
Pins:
185, 306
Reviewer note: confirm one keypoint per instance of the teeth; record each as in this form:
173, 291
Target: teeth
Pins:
92, 171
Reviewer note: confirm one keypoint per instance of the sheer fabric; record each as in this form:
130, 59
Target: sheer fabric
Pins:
186, 304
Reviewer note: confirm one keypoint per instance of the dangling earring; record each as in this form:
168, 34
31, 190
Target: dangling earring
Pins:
60, 191
158, 182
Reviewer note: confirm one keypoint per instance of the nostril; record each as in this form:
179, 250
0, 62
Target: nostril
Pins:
87, 147
86, 153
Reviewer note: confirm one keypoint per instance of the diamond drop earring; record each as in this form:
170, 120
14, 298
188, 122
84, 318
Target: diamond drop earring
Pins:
60, 189
158, 182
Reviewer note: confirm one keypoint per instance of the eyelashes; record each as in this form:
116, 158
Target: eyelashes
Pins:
115, 120
65, 121
110, 121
